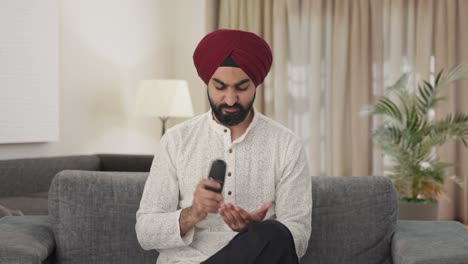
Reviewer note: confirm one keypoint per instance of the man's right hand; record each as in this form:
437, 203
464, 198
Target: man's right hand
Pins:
204, 202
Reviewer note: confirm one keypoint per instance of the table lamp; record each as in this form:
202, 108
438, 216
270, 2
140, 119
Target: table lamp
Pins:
164, 99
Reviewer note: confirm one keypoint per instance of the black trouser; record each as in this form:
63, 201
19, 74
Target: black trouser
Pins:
265, 242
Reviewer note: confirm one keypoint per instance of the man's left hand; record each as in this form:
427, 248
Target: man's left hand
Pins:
238, 219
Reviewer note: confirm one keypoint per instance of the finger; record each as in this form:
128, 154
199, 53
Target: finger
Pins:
229, 218
224, 206
257, 217
205, 194
210, 183
233, 216
211, 209
205, 201
267, 205
206, 185
237, 218
207, 209
210, 206
244, 214
209, 203
262, 209
221, 210
260, 214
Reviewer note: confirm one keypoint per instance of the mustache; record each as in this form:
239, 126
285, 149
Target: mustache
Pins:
235, 106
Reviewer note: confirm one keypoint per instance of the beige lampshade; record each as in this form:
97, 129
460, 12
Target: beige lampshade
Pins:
164, 98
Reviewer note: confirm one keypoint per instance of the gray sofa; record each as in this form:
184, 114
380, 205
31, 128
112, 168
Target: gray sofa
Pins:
92, 220
24, 183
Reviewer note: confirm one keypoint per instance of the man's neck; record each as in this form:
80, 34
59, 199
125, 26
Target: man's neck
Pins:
239, 129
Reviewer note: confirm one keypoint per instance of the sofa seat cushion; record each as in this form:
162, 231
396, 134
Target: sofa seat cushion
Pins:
25, 239
430, 242
28, 204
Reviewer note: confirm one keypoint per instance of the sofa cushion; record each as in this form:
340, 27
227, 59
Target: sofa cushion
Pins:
430, 242
33, 175
25, 239
125, 162
353, 220
94, 217
30, 204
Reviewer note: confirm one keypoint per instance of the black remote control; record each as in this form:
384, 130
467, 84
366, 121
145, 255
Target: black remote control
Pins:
217, 173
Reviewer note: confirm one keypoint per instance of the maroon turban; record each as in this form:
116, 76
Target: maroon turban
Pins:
249, 51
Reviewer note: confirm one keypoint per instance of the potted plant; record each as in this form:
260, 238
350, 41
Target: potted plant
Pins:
409, 134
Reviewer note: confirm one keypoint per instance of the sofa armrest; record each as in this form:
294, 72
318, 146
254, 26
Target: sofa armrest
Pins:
124, 162
94, 217
430, 242
26, 239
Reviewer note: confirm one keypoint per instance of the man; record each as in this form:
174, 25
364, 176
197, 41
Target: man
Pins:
263, 214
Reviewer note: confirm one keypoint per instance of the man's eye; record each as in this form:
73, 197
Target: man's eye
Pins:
219, 88
243, 88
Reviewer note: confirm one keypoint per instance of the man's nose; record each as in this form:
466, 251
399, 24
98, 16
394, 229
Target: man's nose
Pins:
231, 97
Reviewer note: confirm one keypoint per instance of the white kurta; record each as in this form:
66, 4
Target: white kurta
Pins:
267, 163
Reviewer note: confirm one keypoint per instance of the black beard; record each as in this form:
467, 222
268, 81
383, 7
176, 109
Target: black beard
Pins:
231, 119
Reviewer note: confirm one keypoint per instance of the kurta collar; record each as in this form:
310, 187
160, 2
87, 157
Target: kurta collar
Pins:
223, 130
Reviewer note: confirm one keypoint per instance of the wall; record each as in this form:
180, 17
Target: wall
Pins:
106, 47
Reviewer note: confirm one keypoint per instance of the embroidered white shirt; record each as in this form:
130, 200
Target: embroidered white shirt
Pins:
267, 163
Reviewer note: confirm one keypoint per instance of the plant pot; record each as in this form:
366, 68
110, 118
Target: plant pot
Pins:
418, 211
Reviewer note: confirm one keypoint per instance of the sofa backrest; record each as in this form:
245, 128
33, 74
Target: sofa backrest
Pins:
33, 175
94, 216
125, 162
353, 220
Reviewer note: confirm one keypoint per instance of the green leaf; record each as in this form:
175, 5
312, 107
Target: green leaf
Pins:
437, 80
408, 137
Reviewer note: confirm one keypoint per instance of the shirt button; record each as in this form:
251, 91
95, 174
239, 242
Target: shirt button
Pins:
229, 174
225, 130
229, 193
230, 151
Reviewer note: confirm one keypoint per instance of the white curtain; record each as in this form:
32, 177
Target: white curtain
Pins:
332, 57
330, 80
426, 36
268, 19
